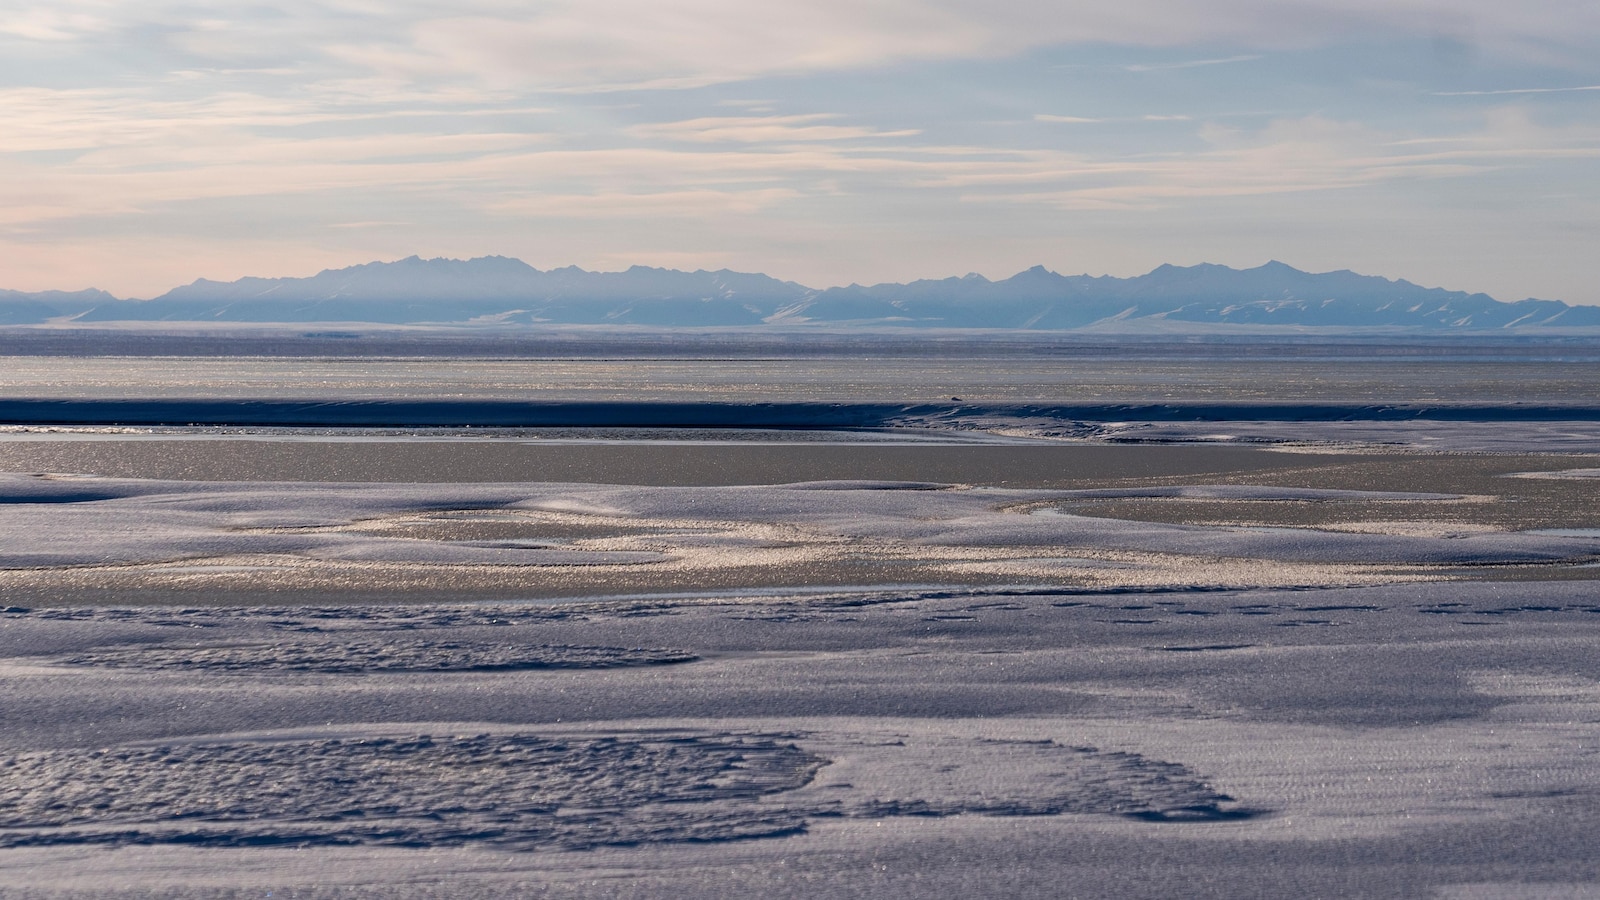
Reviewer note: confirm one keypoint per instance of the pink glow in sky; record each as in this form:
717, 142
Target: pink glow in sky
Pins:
1455, 144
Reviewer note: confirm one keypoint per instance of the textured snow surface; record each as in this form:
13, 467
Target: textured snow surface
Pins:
1106, 707
373, 655
991, 741
531, 791
1426, 436
54, 522
517, 789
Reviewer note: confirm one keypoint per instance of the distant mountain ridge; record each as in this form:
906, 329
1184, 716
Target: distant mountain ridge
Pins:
487, 290
497, 290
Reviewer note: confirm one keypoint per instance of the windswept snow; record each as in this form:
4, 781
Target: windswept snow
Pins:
82, 522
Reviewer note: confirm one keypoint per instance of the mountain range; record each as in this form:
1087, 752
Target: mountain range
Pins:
497, 290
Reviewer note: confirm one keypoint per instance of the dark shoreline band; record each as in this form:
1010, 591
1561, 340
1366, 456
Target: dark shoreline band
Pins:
510, 413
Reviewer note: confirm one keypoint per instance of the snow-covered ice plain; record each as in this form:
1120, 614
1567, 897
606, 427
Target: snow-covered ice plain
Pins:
1007, 657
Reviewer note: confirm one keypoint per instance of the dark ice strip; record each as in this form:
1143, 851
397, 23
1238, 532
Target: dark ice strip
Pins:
505, 413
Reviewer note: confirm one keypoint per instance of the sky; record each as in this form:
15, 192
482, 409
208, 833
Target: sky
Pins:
1454, 144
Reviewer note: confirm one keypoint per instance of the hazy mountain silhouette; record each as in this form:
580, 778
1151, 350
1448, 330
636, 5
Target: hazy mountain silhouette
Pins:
500, 290
19, 308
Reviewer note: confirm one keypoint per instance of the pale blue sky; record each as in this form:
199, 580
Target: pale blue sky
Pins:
1452, 144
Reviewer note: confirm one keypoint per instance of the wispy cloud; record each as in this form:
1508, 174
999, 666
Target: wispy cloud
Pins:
50, 25
1288, 156
1191, 64
635, 44
1512, 91
685, 204
1081, 120
130, 156
588, 45
762, 129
